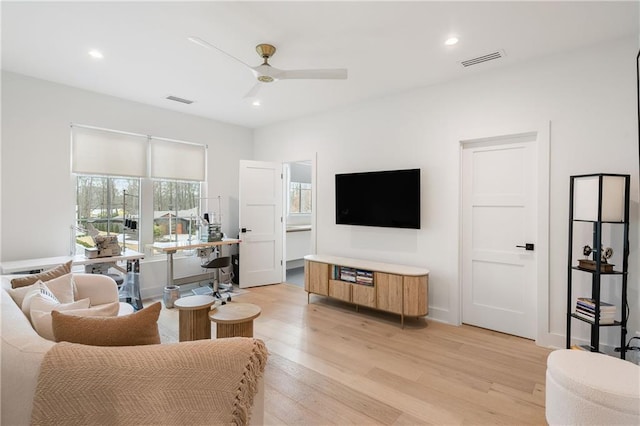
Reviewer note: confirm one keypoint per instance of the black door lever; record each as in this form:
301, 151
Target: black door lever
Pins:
527, 246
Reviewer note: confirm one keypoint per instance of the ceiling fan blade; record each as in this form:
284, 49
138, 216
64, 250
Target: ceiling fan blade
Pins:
207, 45
329, 74
253, 91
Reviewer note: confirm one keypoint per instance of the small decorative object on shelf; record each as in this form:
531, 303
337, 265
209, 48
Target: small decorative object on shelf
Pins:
599, 199
605, 254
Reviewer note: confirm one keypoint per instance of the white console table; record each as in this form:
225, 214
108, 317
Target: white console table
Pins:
129, 291
38, 265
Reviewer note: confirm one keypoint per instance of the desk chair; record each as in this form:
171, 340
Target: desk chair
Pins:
216, 265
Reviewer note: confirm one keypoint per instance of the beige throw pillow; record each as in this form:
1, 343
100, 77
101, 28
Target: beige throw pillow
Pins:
139, 328
42, 276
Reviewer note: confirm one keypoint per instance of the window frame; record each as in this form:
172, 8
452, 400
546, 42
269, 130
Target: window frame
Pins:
308, 188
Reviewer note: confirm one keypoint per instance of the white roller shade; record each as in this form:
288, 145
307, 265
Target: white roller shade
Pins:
103, 152
177, 160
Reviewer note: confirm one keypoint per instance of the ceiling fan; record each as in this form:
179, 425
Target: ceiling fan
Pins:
265, 73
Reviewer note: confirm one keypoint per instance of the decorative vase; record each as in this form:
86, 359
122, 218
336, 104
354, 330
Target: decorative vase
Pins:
171, 294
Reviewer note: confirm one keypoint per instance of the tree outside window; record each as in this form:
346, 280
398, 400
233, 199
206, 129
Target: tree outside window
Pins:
299, 198
101, 204
175, 210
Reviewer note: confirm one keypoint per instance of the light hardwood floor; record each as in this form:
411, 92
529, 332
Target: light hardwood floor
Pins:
331, 365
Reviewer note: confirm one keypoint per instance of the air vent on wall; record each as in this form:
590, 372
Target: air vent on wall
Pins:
177, 99
484, 58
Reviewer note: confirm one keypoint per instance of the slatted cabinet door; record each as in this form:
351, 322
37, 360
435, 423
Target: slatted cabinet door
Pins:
340, 290
364, 295
316, 278
389, 292
415, 296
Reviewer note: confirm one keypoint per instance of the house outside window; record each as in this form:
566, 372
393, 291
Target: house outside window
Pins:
175, 210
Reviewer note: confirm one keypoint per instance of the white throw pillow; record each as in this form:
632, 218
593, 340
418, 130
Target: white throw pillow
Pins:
63, 288
43, 290
106, 310
26, 302
41, 306
18, 294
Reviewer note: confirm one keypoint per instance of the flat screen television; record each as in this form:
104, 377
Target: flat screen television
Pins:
388, 198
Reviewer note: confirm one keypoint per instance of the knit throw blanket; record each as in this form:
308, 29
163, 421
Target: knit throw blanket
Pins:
188, 383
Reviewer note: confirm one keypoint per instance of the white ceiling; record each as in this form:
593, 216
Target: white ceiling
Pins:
388, 47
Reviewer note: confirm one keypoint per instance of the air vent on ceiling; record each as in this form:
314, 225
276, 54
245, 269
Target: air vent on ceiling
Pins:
484, 58
177, 99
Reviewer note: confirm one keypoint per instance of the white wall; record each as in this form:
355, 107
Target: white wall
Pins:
587, 95
36, 186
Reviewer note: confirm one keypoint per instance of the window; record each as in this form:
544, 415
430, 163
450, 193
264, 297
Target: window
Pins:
110, 205
175, 210
121, 175
299, 198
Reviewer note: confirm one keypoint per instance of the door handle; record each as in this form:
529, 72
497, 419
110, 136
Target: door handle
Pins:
527, 246
243, 230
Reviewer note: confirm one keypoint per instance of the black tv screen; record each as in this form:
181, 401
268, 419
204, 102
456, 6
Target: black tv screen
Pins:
386, 198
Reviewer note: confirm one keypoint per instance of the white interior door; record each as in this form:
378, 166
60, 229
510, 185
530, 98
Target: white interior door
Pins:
499, 213
260, 215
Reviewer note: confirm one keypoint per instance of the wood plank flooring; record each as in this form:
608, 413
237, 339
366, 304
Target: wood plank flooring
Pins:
331, 365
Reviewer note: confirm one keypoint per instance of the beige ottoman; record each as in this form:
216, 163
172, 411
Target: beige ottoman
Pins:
589, 388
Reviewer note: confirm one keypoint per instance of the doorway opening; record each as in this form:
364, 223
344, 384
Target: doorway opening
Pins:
298, 218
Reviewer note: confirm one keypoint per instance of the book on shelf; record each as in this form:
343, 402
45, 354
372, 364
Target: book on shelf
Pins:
603, 321
364, 277
586, 309
591, 314
590, 303
347, 274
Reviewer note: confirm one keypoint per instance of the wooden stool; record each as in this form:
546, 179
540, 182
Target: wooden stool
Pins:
234, 319
194, 323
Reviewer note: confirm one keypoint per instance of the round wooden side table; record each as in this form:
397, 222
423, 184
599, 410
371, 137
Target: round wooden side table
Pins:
193, 319
234, 319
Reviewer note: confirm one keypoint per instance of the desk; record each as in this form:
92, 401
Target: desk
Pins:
130, 290
39, 265
171, 248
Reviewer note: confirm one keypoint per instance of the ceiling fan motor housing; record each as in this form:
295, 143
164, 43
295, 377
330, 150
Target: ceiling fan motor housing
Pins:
265, 50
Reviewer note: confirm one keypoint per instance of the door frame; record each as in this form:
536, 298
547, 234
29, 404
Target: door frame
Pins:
542, 133
314, 209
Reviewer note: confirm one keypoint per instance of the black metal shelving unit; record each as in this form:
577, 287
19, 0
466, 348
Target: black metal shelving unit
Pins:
598, 273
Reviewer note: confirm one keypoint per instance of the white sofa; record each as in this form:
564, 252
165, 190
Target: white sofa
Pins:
23, 350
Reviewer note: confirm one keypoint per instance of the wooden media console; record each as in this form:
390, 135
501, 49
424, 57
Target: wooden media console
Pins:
399, 289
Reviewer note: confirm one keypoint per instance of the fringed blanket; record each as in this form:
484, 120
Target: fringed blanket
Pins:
189, 383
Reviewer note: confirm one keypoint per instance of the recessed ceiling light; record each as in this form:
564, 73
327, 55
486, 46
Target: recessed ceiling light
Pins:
256, 103
451, 41
96, 54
